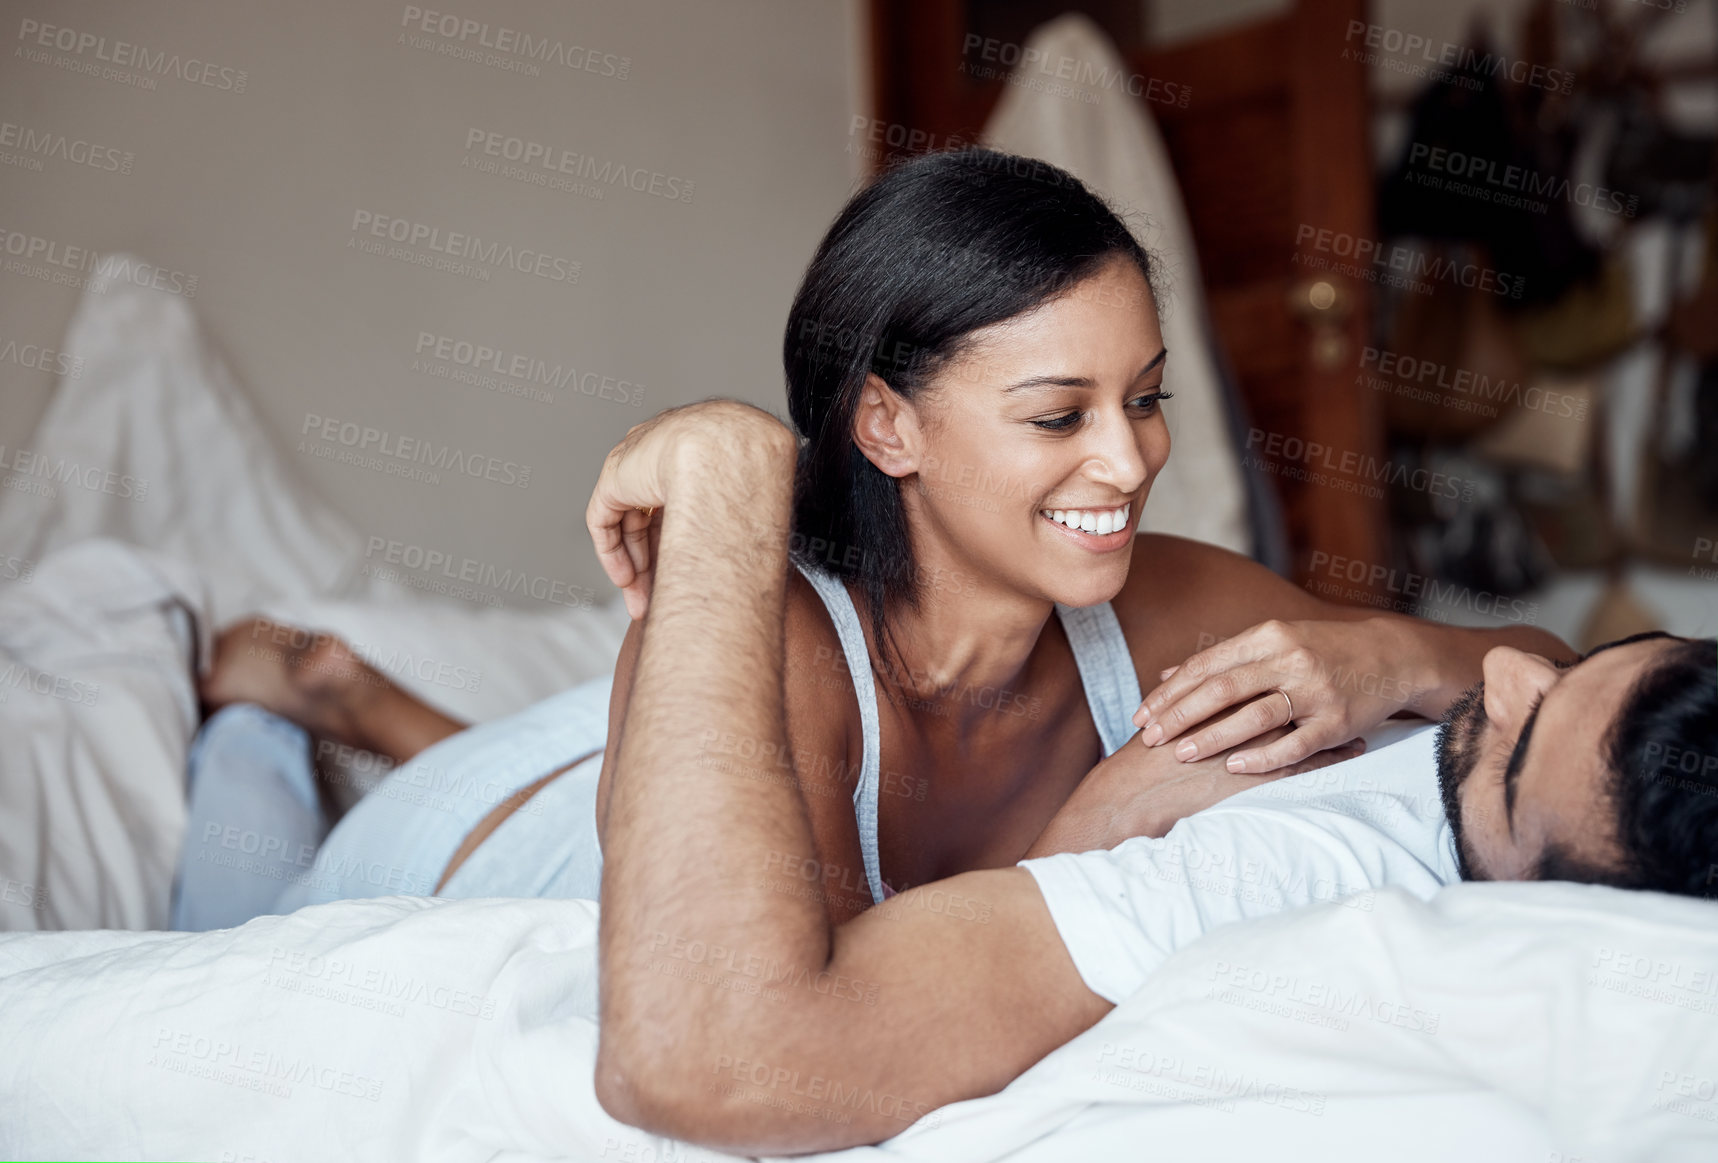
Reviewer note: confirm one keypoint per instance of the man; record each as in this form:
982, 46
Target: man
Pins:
951, 990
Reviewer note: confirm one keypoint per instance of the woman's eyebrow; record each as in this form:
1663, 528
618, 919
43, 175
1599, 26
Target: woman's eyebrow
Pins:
1080, 381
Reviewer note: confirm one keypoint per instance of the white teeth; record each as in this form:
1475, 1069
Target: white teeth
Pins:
1094, 521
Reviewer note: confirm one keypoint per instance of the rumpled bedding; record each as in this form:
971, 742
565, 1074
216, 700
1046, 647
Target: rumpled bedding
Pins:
99, 648
1496, 1022
155, 445
148, 509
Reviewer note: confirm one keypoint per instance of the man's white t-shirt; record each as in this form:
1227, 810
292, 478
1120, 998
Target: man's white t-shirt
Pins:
1307, 839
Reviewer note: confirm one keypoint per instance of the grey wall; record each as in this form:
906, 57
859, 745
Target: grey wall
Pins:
738, 112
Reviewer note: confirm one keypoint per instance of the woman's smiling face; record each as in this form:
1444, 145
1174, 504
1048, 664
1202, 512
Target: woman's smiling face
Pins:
1054, 411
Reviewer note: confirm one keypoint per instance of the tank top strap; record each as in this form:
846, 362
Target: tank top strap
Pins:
1100, 652
1106, 670
847, 627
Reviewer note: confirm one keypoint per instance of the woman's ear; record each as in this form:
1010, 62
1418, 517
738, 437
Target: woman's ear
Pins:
886, 428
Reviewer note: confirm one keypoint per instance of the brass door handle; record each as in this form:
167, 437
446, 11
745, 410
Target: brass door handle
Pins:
1320, 301
1324, 306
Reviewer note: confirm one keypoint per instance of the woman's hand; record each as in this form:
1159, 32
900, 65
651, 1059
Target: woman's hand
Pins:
1340, 678
1141, 792
639, 479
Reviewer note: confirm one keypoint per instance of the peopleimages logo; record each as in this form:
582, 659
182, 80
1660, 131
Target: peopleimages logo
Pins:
43, 143
125, 55
1417, 52
409, 456
1411, 263
1004, 56
1407, 371
460, 568
24, 466
414, 237
1351, 465
1501, 183
538, 163
40, 357
449, 35
479, 358
61, 263
1370, 576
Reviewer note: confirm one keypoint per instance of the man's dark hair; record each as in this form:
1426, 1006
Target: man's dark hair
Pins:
1662, 752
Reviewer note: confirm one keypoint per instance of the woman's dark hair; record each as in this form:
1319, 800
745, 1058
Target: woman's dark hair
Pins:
930, 252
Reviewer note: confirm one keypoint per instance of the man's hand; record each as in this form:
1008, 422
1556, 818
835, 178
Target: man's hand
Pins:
625, 511
1143, 791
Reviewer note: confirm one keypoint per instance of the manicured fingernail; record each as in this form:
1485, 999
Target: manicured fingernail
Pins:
1236, 763
1153, 735
1186, 749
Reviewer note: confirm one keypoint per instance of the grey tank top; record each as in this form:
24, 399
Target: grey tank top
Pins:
1100, 652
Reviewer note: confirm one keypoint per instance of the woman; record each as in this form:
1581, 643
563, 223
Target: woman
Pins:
975, 366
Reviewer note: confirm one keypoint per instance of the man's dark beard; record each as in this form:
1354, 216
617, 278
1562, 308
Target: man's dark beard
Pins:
1459, 737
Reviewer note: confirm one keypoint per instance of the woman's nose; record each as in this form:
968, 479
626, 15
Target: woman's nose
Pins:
1117, 457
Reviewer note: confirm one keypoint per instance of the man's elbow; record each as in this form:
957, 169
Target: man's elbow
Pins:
657, 1084
656, 1093
662, 1094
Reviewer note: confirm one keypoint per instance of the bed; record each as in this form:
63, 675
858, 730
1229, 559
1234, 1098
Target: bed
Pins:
1509, 1022
1497, 1022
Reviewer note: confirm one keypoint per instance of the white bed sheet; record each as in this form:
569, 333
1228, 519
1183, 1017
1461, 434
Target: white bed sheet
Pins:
1497, 1022
99, 646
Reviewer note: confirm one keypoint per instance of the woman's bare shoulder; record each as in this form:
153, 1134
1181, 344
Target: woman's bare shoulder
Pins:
1164, 566
1182, 595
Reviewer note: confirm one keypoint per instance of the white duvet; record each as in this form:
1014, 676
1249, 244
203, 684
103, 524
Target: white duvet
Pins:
1527, 1023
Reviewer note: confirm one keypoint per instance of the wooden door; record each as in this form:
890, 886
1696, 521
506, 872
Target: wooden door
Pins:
1272, 151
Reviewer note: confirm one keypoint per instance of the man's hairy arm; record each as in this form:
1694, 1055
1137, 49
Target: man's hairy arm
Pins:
818, 738
732, 1013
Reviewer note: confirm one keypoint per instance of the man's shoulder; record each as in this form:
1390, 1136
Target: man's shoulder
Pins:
1380, 815
1399, 771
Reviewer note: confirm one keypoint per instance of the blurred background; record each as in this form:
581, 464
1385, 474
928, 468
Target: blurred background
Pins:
386, 281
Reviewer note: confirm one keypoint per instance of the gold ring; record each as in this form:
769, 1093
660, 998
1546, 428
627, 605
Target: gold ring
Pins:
648, 513
1290, 703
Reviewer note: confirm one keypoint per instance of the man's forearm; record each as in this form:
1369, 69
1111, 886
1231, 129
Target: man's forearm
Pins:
691, 825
